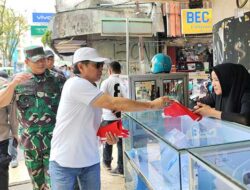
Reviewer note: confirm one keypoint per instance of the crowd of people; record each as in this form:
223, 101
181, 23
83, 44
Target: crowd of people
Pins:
57, 115
58, 120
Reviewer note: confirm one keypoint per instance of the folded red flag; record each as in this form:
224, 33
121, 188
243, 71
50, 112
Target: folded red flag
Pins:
115, 128
177, 109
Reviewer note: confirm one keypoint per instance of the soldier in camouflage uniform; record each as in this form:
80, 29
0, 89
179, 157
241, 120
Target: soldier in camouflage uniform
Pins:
50, 63
37, 101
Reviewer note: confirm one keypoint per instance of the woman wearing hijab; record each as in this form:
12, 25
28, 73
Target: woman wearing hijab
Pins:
230, 99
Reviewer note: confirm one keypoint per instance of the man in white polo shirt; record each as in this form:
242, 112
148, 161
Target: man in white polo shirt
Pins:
75, 147
114, 86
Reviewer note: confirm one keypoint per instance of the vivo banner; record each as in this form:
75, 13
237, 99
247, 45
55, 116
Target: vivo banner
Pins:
42, 17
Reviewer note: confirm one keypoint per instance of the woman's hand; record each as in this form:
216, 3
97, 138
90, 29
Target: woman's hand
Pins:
111, 139
206, 110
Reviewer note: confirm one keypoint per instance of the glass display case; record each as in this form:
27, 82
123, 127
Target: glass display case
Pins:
156, 153
151, 86
226, 167
199, 84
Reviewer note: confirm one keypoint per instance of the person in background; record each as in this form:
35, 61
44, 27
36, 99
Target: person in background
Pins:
75, 145
12, 149
230, 100
37, 94
8, 124
66, 71
50, 57
113, 86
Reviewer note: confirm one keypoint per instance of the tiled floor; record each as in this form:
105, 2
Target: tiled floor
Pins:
19, 178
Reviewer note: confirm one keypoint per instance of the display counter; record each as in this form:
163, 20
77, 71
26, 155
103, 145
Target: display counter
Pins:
156, 153
226, 167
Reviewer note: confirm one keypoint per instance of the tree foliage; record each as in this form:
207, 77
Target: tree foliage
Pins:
2, 9
46, 38
12, 27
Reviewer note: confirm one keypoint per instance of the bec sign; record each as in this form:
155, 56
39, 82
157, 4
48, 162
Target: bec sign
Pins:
196, 21
197, 17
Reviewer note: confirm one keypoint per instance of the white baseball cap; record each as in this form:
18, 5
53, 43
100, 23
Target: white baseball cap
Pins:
87, 54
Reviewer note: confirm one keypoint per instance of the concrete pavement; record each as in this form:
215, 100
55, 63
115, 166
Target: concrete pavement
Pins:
19, 178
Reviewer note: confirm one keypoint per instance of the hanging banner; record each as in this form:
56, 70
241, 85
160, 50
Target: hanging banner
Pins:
231, 41
196, 21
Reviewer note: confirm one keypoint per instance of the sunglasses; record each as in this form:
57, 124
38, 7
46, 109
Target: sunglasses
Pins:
98, 64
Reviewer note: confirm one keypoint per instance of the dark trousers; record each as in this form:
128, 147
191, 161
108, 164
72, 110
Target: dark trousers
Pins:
108, 149
5, 159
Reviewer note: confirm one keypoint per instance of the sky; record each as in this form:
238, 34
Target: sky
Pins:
26, 8
29, 6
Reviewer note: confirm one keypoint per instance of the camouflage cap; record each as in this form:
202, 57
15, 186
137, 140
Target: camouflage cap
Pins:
34, 53
3, 74
48, 53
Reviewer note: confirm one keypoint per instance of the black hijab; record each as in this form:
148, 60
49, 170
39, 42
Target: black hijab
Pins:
235, 81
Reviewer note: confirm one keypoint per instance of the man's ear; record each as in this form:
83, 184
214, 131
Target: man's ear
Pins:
26, 62
109, 71
80, 67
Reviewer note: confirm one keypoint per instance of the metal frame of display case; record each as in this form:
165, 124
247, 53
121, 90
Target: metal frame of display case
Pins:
139, 132
131, 80
139, 172
193, 186
147, 135
195, 156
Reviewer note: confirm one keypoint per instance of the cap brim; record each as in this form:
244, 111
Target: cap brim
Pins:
36, 58
99, 59
51, 55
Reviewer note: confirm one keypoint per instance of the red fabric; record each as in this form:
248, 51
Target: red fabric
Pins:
172, 19
176, 109
171, 51
115, 128
178, 18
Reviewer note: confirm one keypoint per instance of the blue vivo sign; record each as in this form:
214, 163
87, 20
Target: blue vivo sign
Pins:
42, 17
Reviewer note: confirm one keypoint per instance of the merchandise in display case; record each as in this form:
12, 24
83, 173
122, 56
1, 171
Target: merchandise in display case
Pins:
157, 149
145, 90
199, 84
227, 167
174, 89
151, 86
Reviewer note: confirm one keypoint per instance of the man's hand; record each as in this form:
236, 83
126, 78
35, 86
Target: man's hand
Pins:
161, 102
111, 139
3, 81
6, 94
15, 137
20, 78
